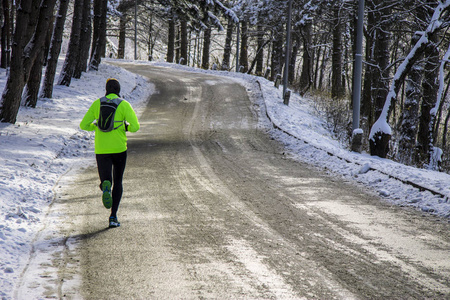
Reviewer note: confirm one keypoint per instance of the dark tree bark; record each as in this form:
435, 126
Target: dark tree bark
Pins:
294, 54
307, 66
99, 38
206, 48
367, 101
6, 35
260, 54
122, 35
85, 40
381, 56
25, 51
227, 48
73, 52
243, 54
184, 42
152, 35
55, 49
410, 111
258, 58
34, 81
171, 40
430, 88
277, 51
337, 87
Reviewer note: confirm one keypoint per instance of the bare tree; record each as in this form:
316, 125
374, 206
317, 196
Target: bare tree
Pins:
6, 34
85, 40
227, 48
171, 39
73, 52
55, 49
28, 43
337, 87
206, 47
34, 80
381, 132
99, 37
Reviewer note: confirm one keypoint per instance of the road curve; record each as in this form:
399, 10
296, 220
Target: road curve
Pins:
213, 209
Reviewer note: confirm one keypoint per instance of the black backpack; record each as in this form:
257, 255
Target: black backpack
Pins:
108, 109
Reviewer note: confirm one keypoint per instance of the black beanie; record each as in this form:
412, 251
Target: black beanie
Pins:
112, 86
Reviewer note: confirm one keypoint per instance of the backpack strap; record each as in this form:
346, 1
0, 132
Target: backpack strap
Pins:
115, 101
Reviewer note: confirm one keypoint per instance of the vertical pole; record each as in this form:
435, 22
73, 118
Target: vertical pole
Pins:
238, 35
287, 54
358, 66
135, 29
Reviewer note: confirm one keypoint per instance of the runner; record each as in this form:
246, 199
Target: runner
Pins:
110, 117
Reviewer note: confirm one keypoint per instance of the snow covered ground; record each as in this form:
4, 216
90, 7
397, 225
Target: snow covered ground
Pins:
38, 152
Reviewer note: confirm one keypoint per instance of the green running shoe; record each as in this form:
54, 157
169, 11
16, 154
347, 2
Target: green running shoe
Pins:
107, 198
113, 222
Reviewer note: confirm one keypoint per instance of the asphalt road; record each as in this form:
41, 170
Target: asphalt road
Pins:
213, 209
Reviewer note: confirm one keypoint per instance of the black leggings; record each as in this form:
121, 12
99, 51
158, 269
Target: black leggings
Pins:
111, 167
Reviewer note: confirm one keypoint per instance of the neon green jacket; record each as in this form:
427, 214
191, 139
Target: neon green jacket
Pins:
114, 141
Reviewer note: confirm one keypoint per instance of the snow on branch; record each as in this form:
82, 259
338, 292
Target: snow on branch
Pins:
214, 20
228, 12
444, 61
381, 125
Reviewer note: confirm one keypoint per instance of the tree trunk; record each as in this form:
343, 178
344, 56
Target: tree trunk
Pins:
25, 52
430, 87
444, 132
32, 87
277, 52
206, 48
34, 81
97, 10
306, 74
102, 29
227, 48
184, 42
55, 49
85, 40
6, 35
367, 99
171, 40
99, 38
73, 52
337, 87
243, 55
325, 57
260, 54
294, 55
381, 57
151, 39
258, 58
410, 113
379, 72
122, 35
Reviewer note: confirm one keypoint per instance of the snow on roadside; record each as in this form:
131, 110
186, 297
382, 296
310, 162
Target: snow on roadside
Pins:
43, 145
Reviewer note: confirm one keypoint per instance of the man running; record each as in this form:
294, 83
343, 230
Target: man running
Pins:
110, 117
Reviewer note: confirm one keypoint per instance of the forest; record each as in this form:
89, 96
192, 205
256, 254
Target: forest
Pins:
404, 80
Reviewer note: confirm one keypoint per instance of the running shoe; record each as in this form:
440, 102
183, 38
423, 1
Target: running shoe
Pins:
113, 222
107, 198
